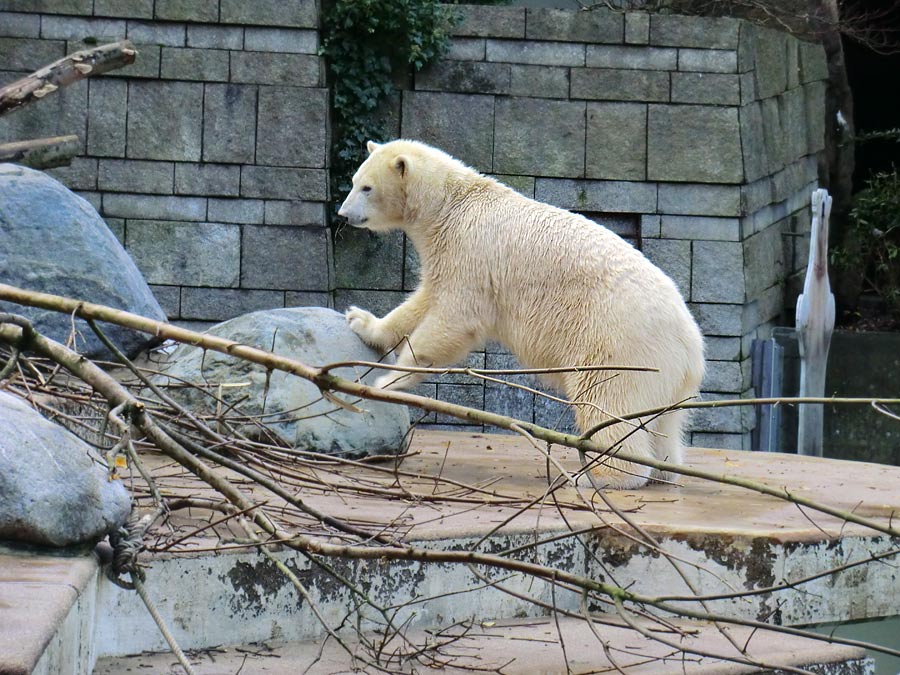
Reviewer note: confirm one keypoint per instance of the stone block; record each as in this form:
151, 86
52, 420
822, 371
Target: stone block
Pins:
748, 88
509, 401
292, 127
82, 7
208, 65
651, 227
707, 60
637, 28
131, 175
363, 259
774, 134
561, 125
156, 33
460, 124
495, 22
730, 420
297, 212
155, 207
298, 70
207, 179
814, 93
769, 52
616, 141
243, 211
23, 54
169, 298
701, 200
220, 304
813, 63
674, 258
753, 137
538, 81
630, 57
294, 258
566, 25
412, 268
145, 66
199, 254
106, 117
95, 199
535, 53
721, 320
215, 37
767, 258
700, 227
377, 302
757, 195
307, 299
717, 272
79, 28
620, 85
164, 120
127, 9
284, 40
724, 348
694, 31
465, 49
598, 196
720, 441
727, 377
229, 114
270, 182
469, 77
188, 10
706, 88
469, 395
117, 226
19, 25
299, 13
524, 185
81, 174
690, 143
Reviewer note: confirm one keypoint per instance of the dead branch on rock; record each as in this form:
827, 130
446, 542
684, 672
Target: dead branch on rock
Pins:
65, 71
43, 153
268, 498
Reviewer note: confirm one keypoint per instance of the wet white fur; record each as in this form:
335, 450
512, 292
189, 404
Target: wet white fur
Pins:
553, 287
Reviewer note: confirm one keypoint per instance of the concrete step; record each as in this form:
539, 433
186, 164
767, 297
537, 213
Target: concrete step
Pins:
522, 647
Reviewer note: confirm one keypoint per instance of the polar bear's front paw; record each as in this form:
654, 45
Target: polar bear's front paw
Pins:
392, 380
366, 325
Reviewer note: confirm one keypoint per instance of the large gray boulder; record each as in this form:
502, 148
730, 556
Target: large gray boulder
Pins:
53, 487
54, 241
287, 406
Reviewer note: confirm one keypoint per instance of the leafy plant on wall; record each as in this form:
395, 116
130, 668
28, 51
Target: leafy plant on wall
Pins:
367, 42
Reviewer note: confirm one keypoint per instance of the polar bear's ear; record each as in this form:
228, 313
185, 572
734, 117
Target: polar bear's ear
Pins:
401, 163
372, 146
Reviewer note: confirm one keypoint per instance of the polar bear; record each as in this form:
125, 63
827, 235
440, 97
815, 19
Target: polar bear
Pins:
553, 287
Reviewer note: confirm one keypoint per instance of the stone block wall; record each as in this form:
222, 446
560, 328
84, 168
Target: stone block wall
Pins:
694, 138
207, 156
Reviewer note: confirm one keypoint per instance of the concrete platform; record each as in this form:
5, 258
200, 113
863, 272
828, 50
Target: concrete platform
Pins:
451, 492
522, 647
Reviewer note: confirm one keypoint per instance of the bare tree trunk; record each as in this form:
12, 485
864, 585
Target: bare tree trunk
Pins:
64, 72
838, 160
42, 153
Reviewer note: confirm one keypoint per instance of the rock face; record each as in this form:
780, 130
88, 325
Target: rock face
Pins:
53, 241
53, 488
290, 407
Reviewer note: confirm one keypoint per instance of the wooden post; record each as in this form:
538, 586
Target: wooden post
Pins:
42, 153
815, 323
64, 72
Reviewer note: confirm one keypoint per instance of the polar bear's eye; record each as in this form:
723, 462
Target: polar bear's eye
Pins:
367, 188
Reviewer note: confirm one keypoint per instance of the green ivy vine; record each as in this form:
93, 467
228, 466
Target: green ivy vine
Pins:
365, 42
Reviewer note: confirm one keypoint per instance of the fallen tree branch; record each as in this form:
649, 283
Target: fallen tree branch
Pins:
64, 72
327, 382
41, 153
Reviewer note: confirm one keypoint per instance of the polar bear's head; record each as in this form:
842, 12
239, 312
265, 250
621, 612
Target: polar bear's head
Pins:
377, 199
400, 182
